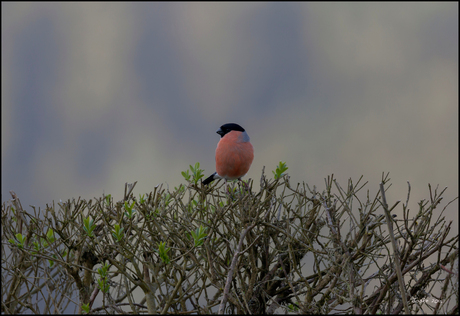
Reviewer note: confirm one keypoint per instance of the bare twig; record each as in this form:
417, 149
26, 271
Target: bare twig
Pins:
397, 258
232, 268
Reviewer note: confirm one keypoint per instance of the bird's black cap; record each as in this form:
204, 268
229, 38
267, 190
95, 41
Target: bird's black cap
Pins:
227, 128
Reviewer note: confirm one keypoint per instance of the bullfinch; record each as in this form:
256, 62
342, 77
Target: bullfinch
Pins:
234, 153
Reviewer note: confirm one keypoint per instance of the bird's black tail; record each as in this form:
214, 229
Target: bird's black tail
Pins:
209, 179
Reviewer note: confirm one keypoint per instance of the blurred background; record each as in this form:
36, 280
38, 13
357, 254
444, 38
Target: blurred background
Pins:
98, 94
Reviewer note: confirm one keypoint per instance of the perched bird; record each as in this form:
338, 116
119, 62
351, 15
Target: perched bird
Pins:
234, 153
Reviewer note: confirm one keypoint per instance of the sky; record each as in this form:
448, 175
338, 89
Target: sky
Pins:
98, 94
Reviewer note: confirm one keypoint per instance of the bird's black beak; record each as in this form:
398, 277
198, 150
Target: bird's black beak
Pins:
220, 132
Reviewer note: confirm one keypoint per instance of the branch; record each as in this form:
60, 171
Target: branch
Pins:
395, 249
232, 268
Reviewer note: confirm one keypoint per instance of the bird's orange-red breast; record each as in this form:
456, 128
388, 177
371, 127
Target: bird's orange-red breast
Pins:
234, 153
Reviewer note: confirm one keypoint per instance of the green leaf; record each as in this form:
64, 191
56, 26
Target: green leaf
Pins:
107, 199
167, 198
85, 308
199, 235
88, 226
197, 173
142, 198
50, 236
163, 252
129, 209
280, 169
117, 233
19, 242
186, 175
